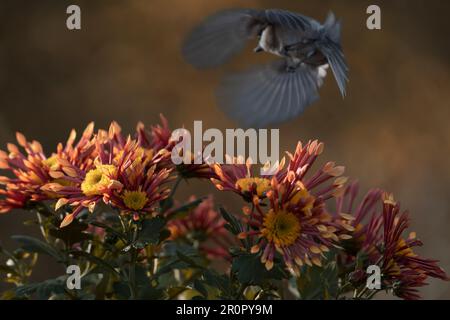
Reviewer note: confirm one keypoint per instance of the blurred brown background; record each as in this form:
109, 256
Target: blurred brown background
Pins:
390, 131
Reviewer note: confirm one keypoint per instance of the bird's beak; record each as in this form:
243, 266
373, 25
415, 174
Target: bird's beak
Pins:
258, 49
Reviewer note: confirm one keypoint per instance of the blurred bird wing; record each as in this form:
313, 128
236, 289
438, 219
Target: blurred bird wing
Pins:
291, 27
220, 37
335, 57
269, 94
289, 20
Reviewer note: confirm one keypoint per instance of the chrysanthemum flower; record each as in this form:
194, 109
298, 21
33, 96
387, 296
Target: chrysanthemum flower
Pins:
400, 263
205, 226
30, 171
296, 223
34, 169
12, 199
81, 154
327, 178
89, 185
379, 227
195, 170
364, 217
123, 175
156, 138
241, 179
143, 186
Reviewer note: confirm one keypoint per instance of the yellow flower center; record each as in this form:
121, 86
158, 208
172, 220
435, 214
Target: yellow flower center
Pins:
262, 185
135, 200
282, 228
97, 180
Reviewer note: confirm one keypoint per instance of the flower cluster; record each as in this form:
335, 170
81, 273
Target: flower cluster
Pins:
129, 173
300, 217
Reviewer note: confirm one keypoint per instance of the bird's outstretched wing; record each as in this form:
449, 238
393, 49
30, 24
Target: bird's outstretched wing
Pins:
288, 20
220, 37
269, 94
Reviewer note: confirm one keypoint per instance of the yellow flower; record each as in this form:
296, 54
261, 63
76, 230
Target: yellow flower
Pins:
135, 200
97, 180
262, 185
282, 228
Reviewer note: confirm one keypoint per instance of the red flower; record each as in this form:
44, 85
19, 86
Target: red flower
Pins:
379, 227
204, 226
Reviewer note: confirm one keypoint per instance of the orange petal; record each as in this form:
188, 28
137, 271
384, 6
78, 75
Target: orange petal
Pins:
67, 220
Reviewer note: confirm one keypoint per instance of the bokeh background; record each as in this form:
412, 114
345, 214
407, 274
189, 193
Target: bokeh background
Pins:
391, 131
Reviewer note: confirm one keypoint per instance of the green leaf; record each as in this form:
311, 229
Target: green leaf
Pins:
121, 290
164, 235
220, 282
35, 245
166, 204
71, 234
188, 260
150, 232
234, 226
185, 209
27, 289
141, 278
149, 293
102, 287
43, 289
249, 270
198, 285
99, 262
108, 229
319, 282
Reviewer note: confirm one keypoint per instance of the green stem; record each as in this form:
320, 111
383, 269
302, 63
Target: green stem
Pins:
175, 186
249, 241
372, 294
132, 270
167, 202
41, 226
361, 293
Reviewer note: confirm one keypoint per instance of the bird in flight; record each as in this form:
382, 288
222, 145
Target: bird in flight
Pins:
281, 90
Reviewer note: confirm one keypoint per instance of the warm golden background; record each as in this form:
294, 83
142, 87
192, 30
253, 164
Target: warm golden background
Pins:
391, 131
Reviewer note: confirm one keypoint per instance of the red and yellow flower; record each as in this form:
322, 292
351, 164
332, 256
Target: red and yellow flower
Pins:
296, 223
379, 227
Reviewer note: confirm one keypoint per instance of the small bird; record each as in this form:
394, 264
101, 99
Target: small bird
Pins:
278, 91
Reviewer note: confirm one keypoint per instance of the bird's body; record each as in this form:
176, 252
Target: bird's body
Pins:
283, 89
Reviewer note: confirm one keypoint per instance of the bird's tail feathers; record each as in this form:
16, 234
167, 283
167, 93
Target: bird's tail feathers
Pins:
332, 28
330, 46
